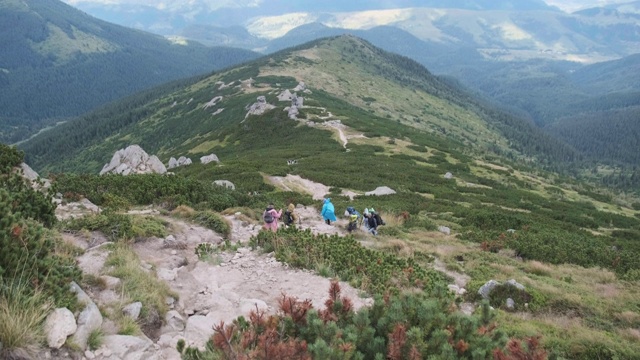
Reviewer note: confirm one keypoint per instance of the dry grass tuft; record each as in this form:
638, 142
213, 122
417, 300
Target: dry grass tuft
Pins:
398, 247
607, 290
629, 318
630, 334
183, 211
537, 268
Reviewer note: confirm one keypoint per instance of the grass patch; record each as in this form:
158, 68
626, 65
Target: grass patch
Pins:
148, 226
22, 312
95, 339
128, 326
140, 285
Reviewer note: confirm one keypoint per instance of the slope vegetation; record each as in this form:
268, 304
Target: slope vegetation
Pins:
58, 62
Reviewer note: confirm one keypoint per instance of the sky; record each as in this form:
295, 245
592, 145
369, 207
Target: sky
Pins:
566, 5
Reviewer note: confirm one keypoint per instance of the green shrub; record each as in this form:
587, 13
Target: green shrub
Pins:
213, 221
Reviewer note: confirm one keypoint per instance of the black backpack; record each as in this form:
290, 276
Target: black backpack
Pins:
268, 217
288, 217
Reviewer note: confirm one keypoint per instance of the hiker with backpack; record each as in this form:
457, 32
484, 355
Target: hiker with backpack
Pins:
328, 211
379, 220
355, 219
371, 223
270, 217
290, 217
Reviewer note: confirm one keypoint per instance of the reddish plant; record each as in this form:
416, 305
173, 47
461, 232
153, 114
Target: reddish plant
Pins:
295, 308
331, 311
397, 340
515, 351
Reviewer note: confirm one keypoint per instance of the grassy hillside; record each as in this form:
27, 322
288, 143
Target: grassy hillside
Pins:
573, 245
365, 87
58, 62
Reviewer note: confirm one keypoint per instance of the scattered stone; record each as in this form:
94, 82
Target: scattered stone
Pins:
445, 230
209, 158
510, 304
448, 176
218, 111
511, 231
127, 347
58, 325
132, 310
133, 160
173, 243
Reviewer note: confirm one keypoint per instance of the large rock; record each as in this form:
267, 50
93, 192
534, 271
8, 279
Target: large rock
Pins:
259, 107
209, 158
445, 230
181, 161
285, 95
381, 190
300, 87
515, 284
132, 310
485, 290
226, 183
59, 324
133, 160
89, 319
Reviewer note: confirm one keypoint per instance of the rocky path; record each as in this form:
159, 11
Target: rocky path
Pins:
218, 287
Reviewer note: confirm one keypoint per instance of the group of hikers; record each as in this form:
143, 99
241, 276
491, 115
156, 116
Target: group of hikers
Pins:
370, 218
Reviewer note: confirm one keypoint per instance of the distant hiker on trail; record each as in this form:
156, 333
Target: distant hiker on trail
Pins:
290, 217
371, 223
270, 217
328, 211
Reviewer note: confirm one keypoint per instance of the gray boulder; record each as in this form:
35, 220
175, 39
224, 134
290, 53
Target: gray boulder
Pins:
89, 319
300, 87
510, 304
259, 107
181, 161
226, 183
174, 320
381, 190
58, 325
516, 284
486, 289
133, 160
445, 230
448, 175
209, 158
132, 310
285, 95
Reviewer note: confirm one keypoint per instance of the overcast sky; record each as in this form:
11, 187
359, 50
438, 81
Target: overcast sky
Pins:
566, 5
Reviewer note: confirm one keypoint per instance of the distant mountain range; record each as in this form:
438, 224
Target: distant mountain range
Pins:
58, 62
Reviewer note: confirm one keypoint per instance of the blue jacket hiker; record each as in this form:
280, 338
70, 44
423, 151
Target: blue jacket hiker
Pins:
328, 212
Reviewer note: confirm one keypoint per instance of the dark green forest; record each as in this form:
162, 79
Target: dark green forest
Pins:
39, 87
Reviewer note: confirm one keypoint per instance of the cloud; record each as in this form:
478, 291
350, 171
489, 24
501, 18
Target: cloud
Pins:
211, 5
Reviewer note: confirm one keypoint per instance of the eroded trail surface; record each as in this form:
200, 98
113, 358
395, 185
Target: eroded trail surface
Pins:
217, 288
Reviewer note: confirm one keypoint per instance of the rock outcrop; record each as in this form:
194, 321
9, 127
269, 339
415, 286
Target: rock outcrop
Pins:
212, 102
300, 87
285, 95
259, 107
381, 190
89, 320
182, 161
133, 160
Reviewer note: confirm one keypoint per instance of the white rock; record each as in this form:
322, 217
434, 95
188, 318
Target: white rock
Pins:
209, 158
58, 325
133, 160
448, 175
445, 230
381, 190
226, 183
132, 310
175, 320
